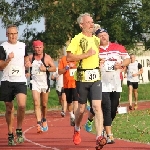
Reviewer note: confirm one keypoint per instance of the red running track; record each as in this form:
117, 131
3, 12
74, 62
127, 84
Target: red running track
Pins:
59, 135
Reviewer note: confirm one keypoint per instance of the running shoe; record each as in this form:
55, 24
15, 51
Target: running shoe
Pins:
130, 107
44, 126
110, 139
76, 137
11, 141
100, 142
72, 121
88, 126
135, 106
39, 128
20, 138
62, 113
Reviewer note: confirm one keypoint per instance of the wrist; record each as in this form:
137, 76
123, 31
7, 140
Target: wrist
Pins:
47, 69
67, 67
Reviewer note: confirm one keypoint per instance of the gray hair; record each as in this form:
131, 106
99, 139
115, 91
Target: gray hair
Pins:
80, 18
11, 26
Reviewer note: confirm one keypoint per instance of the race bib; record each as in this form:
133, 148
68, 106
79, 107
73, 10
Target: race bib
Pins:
92, 75
72, 71
15, 71
109, 65
36, 71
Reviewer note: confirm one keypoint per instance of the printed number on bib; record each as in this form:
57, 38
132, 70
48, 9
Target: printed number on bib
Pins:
15, 71
92, 75
109, 65
72, 71
36, 71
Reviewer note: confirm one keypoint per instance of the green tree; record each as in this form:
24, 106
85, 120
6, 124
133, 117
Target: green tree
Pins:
124, 20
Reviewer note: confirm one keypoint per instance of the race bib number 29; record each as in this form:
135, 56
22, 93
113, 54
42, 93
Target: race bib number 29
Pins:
92, 75
15, 71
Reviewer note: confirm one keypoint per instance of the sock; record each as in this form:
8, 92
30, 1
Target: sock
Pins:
18, 129
71, 114
39, 122
77, 128
44, 119
90, 120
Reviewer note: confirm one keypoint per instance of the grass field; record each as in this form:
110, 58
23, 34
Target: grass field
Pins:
134, 126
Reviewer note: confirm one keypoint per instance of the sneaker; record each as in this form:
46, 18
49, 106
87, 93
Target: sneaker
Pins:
135, 106
88, 126
110, 139
11, 141
72, 121
20, 138
76, 138
100, 142
39, 128
62, 114
44, 126
130, 107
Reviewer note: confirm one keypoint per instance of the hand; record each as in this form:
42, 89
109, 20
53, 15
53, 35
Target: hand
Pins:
117, 66
134, 75
27, 75
91, 52
71, 65
28, 64
10, 55
102, 61
42, 68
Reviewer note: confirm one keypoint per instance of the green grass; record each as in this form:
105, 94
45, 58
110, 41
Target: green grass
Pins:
143, 92
52, 102
134, 126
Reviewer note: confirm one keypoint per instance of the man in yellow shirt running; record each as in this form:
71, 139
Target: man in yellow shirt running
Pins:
84, 49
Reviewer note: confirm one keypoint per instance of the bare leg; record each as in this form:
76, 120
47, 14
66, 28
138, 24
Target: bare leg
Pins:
130, 94
9, 115
44, 100
21, 100
96, 104
36, 100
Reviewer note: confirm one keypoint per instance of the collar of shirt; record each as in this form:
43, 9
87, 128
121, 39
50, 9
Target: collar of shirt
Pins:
104, 48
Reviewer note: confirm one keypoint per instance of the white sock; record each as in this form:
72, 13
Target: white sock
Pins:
77, 128
71, 114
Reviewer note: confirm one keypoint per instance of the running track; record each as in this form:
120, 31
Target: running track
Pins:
59, 135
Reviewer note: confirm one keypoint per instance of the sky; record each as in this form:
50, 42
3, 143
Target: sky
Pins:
39, 27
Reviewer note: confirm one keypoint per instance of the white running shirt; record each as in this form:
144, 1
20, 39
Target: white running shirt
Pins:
15, 70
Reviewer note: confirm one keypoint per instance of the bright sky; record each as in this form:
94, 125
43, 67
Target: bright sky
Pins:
39, 27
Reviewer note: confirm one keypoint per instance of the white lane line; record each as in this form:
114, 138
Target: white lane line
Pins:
42, 146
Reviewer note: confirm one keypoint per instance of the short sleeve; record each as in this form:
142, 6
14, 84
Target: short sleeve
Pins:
73, 46
61, 64
139, 66
26, 51
2, 53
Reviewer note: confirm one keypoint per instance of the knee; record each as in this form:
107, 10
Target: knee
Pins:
96, 108
21, 108
9, 108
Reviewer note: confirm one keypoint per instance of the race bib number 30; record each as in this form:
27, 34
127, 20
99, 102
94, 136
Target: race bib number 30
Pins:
109, 65
92, 75
15, 71
72, 71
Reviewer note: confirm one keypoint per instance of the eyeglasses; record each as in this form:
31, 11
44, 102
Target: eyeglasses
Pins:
12, 33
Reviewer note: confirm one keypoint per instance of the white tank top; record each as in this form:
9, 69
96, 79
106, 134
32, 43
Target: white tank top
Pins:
37, 76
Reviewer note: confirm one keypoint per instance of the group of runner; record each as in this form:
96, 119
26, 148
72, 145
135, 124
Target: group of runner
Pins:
89, 71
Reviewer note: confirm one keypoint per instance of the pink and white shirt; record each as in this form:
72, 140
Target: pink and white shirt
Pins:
111, 78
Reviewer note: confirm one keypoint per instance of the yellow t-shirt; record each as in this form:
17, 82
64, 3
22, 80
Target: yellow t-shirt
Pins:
87, 69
